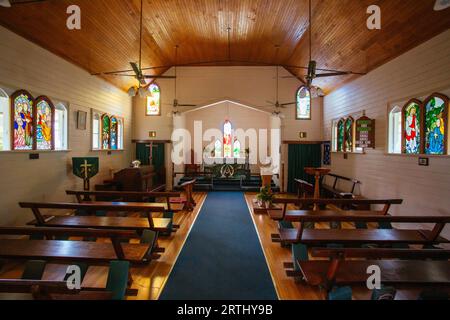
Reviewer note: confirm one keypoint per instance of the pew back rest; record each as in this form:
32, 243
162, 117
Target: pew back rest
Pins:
71, 232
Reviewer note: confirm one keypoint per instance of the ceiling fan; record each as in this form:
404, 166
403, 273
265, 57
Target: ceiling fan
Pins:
277, 104
176, 103
142, 89
316, 91
441, 5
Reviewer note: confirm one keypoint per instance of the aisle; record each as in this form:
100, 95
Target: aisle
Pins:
222, 258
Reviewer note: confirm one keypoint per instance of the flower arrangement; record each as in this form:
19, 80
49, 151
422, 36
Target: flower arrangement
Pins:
265, 197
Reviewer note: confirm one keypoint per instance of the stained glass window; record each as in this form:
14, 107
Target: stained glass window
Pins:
435, 124
22, 112
236, 148
44, 124
106, 125
412, 117
303, 107
340, 135
349, 124
154, 101
114, 131
227, 139
218, 149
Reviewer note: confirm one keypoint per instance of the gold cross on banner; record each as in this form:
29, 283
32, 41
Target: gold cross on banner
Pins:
85, 168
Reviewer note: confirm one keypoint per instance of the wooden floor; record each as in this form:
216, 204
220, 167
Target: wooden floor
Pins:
287, 288
149, 279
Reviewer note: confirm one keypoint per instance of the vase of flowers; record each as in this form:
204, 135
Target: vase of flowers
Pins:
265, 197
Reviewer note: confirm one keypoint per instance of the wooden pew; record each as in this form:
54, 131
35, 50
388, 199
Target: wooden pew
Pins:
347, 203
52, 290
126, 223
189, 201
333, 191
415, 271
361, 236
69, 251
304, 189
128, 196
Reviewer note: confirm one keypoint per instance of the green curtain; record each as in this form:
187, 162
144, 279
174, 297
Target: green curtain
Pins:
158, 154
301, 156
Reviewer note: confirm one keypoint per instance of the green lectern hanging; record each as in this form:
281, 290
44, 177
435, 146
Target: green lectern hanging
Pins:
85, 168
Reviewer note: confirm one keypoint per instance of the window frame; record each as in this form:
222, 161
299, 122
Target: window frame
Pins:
296, 104
63, 106
35, 121
6, 121
120, 137
445, 116
421, 140
390, 142
159, 102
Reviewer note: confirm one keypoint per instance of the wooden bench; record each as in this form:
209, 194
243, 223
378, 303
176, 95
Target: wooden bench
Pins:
360, 236
52, 290
304, 189
333, 191
415, 271
126, 223
63, 251
346, 203
127, 196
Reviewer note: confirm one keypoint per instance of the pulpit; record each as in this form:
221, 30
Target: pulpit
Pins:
130, 179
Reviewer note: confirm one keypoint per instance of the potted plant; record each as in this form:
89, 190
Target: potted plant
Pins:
265, 197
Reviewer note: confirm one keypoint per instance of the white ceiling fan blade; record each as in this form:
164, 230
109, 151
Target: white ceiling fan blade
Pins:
5, 3
441, 5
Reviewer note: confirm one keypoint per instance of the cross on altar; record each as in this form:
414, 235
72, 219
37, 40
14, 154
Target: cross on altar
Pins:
151, 146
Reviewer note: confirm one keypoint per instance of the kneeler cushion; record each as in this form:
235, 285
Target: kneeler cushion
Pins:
342, 293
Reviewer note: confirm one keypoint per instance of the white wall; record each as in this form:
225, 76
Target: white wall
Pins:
24, 65
417, 73
252, 86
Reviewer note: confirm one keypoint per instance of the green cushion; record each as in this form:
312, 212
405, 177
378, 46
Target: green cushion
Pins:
385, 225
117, 282
83, 268
299, 252
343, 293
169, 215
285, 225
34, 270
361, 225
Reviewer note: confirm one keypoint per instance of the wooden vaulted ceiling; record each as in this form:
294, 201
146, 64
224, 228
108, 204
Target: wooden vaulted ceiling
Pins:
109, 37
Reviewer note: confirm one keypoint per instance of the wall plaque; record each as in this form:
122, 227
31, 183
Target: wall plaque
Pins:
365, 133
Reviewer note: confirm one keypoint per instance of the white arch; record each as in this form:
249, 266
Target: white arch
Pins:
215, 103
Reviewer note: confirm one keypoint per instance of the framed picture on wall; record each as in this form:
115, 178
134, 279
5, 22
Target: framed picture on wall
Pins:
81, 120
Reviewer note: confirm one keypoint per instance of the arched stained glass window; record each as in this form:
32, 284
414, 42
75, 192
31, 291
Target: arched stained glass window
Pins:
340, 135
412, 133
22, 113
106, 125
218, 149
303, 106
236, 148
436, 113
45, 113
227, 139
113, 133
154, 101
349, 135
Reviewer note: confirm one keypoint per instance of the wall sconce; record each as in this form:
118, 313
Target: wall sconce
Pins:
152, 134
